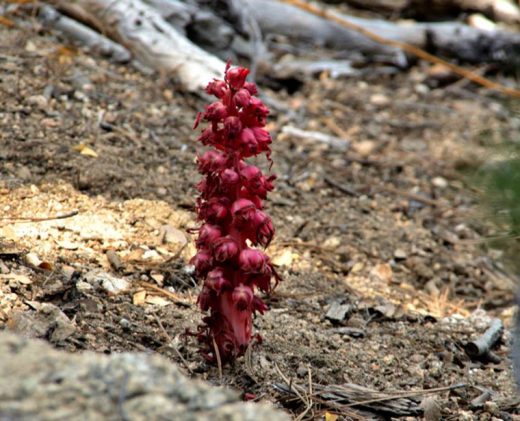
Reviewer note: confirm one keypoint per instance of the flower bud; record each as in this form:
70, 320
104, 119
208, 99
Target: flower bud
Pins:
232, 127
256, 182
229, 177
208, 234
202, 262
207, 137
262, 136
242, 297
258, 110
225, 248
216, 112
262, 280
243, 210
248, 143
211, 161
264, 228
251, 173
216, 281
242, 98
213, 210
236, 77
217, 88
252, 261
251, 87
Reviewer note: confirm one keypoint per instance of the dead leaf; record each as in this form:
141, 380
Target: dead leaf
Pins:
330, 416
85, 150
64, 54
284, 258
358, 266
49, 122
33, 260
16, 278
364, 147
383, 271
6, 22
158, 278
157, 300
67, 245
135, 255
139, 298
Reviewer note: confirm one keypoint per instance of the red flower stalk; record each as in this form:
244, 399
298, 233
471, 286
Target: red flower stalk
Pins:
234, 224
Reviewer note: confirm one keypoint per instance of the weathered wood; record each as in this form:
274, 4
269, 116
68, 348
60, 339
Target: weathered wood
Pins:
482, 345
83, 34
176, 13
275, 17
446, 38
241, 13
226, 28
152, 40
143, 29
501, 10
333, 141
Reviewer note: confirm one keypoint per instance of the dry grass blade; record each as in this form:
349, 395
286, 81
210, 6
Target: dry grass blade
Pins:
301, 393
219, 361
439, 305
170, 343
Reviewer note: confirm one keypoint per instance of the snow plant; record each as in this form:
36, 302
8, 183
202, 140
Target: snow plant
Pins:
235, 227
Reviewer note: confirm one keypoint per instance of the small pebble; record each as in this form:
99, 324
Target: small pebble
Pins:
491, 407
302, 371
379, 99
400, 254
124, 323
440, 182
39, 101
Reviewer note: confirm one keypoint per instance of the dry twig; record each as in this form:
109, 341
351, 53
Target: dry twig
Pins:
31, 219
168, 294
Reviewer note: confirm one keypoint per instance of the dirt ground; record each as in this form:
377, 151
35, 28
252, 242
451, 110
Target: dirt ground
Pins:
384, 228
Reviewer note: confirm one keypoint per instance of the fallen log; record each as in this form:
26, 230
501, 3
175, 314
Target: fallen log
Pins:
84, 35
147, 30
500, 10
451, 39
278, 18
226, 28
152, 40
176, 13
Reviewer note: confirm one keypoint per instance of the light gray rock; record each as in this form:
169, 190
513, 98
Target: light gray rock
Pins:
38, 382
